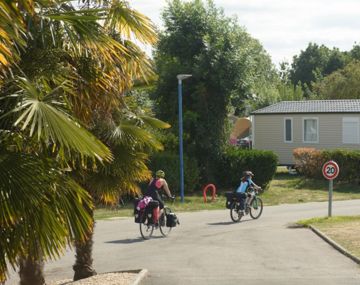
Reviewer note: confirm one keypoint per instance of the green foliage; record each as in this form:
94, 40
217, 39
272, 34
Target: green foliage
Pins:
341, 84
289, 92
170, 163
314, 63
309, 162
40, 205
348, 161
228, 67
234, 161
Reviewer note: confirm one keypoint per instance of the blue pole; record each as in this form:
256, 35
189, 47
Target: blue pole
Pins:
181, 142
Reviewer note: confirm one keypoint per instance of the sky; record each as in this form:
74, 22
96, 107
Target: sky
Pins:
285, 27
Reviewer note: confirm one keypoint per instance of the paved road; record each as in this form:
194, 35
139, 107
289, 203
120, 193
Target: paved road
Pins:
207, 248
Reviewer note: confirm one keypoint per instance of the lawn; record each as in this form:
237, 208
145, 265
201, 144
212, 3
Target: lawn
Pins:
289, 188
285, 188
344, 230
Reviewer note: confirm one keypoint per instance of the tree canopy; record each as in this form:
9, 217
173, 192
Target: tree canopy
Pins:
227, 65
341, 84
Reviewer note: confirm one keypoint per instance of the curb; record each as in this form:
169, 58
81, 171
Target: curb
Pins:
140, 277
335, 245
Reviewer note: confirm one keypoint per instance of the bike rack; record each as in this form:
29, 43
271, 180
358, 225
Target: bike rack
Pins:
213, 190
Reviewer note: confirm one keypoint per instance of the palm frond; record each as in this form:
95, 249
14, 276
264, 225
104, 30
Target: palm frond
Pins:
130, 23
41, 115
41, 209
154, 122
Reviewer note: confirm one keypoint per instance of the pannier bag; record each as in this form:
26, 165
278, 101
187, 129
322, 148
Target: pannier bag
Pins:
171, 220
229, 199
138, 215
137, 211
152, 211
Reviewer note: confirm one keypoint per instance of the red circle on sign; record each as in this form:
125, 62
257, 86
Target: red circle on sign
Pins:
330, 170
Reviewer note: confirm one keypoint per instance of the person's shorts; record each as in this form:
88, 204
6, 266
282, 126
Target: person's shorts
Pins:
158, 198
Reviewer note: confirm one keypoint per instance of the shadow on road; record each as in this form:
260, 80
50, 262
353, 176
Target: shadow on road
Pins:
126, 241
227, 223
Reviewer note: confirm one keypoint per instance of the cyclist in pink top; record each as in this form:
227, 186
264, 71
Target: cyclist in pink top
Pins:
157, 184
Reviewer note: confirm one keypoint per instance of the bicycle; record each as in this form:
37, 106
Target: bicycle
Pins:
164, 223
253, 206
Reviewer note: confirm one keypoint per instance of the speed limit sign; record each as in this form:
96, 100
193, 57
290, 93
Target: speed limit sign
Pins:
330, 170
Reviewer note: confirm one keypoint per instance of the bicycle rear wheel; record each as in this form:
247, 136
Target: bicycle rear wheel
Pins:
165, 231
256, 208
234, 212
146, 229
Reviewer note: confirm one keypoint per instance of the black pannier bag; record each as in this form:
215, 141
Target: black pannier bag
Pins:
171, 220
229, 199
137, 213
149, 211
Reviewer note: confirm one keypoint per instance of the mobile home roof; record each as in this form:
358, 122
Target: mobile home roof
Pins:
312, 106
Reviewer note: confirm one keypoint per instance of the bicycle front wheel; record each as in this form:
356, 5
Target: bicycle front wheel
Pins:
234, 212
256, 208
146, 229
165, 231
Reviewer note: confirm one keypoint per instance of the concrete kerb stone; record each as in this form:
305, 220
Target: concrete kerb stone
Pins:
335, 245
140, 277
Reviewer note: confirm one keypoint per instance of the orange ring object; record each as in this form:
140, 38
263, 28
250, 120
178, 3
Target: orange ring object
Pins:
213, 190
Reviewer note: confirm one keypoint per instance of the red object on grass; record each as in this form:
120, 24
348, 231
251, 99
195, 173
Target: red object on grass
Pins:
213, 190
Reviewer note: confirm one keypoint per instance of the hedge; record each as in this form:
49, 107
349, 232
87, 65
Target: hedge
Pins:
234, 161
310, 165
170, 163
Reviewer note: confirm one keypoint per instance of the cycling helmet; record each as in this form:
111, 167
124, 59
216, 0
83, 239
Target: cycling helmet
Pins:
160, 174
248, 173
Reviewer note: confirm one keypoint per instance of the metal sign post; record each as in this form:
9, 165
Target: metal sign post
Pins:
331, 184
330, 171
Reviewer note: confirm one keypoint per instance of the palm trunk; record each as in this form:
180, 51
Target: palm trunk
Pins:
83, 264
31, 271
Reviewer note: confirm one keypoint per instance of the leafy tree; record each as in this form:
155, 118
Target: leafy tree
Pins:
341, 84
289, 92
314, 63
355, 52
228, 67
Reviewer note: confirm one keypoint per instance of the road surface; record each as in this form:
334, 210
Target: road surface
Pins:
208, 248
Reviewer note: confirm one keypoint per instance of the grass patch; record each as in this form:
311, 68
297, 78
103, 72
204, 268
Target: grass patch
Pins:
285, 188
288, 188
191, 203
344, 230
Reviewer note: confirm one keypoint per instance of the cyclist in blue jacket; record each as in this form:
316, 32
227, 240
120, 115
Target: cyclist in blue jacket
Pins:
246, 182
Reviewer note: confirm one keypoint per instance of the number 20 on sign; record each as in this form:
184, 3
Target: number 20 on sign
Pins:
330, 171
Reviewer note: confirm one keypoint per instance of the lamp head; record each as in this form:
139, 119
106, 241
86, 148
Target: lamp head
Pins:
183, 76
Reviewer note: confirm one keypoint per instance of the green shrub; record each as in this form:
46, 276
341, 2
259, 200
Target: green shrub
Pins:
234, 161
170, 163
348, 161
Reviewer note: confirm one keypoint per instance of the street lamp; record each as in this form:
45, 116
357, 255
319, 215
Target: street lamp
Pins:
180, 78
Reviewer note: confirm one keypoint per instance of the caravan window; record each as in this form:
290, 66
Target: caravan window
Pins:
311, 130
350, 130
288, 130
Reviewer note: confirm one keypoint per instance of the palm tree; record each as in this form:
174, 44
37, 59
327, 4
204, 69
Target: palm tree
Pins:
130, 138
42, 208
95, 61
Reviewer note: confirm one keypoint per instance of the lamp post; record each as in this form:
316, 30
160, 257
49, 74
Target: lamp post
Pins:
180, 78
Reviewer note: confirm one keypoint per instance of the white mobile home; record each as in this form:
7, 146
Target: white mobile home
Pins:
321, 124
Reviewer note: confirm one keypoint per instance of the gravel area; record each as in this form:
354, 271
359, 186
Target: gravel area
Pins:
112, 278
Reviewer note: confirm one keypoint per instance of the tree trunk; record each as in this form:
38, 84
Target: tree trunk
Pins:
83, 264
31, 271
